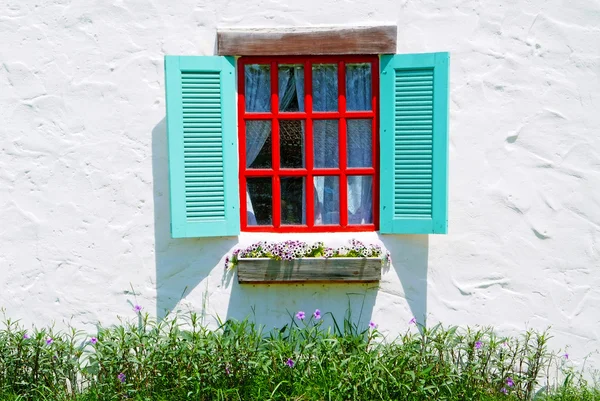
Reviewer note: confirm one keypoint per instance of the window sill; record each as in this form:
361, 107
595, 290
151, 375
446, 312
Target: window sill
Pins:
303, 270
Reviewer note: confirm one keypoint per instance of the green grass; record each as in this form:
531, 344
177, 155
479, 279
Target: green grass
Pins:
179, 359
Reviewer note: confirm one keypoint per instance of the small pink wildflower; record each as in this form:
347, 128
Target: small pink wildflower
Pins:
300, 315
413, 321
137, 308
372, 325
290, 363
49, 341
478, 344
317, 314
93, 340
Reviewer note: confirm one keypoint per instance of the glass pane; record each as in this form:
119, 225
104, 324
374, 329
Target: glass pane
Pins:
258, 144
325, 87
258, 201
291, 87
291, 143
257, 78
325, 143
292, 200
359, 142
327, 199
360, 199
358, 86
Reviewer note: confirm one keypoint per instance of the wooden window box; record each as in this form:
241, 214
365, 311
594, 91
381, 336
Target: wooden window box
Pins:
345, 270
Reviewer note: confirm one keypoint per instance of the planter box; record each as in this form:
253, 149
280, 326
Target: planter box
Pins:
265, 270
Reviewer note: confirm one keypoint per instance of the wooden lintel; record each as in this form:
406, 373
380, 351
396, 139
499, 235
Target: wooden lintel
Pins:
322, 41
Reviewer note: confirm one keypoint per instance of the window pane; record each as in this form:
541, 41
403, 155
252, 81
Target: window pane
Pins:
360, 199
257, 78
325, 87
359, 141
358, 86
258, 201
258, 144
291, 143
291, 87
327, 199
325, 144
292, 200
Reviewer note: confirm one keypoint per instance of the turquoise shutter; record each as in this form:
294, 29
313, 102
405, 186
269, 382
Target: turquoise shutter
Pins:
201, 130
414, 144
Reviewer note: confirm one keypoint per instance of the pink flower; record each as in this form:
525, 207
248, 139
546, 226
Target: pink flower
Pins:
317, 314
566, 355
93, 340
121, 376
413, 321
510, 382
300, 315
478, 344
290, 362
49, 341
372, 325
26, 336
137, 308
503, 390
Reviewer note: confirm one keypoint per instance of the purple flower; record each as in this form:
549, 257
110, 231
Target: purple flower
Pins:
317, 314
300, 315
413, 321
227, 370
93, 340
26, 336
566, 355
510, 382
372, 325
137, 308
503, 390
49, 341
478, 344
290, 362
121, 376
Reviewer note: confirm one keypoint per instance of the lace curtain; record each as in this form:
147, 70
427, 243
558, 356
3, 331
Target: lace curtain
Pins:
325, 134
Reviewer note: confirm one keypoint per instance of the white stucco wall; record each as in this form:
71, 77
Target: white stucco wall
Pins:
83, 170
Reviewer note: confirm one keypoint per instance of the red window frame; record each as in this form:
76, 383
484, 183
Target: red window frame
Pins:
308, 171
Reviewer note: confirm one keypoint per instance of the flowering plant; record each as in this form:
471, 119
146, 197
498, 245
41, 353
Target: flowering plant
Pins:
289, 250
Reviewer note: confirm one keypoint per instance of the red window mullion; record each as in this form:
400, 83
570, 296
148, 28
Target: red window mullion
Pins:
276, 201
309, 143
242, 144
342, 144
309, 171
375, 156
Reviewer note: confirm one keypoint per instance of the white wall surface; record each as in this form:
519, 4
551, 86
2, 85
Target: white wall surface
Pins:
83, 169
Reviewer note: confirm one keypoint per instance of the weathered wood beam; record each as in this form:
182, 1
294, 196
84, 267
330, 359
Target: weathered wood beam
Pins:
306, 41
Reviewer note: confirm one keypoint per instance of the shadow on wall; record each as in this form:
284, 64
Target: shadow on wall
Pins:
273, 305
181, 264
410, 259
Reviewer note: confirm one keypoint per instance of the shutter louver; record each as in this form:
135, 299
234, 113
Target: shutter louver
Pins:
202, 136
414, 139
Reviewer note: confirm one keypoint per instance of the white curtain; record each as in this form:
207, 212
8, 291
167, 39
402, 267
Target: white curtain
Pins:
258, 99
359, 138
325, 134
359, 142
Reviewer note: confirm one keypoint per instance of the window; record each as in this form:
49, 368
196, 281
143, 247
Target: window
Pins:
308, 145
265, 151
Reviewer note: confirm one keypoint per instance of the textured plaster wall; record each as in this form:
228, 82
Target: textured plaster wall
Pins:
83, 169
